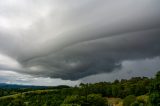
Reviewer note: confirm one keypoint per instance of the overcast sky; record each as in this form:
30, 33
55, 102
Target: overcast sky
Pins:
54, 42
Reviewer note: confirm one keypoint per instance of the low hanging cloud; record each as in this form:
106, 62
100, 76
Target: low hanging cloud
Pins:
75, 39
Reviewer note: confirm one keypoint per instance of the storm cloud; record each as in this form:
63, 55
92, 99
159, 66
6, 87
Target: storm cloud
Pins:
75, 39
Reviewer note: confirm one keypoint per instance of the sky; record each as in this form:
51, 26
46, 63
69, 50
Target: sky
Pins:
59, 42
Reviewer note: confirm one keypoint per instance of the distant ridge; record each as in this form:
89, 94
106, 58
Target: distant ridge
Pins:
18, 86
15, 86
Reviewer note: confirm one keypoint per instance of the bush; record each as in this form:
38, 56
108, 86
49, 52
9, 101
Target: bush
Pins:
129, 100
70, 105
96, 100
136, 103
90, 100
155, 99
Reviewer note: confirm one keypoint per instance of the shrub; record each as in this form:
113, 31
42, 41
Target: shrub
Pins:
129, 100
155, 99
90, 100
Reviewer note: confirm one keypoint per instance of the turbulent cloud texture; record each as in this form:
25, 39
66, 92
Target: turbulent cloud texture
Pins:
75, 39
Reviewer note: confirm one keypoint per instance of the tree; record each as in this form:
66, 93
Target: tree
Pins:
136, 103
155, 99
129, 100
92, 100
157, 82
155, 91
96, 100
114, 90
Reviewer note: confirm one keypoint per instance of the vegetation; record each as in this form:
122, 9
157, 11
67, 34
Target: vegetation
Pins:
129, 100
91, 100
155, 91
115, 101
137, 91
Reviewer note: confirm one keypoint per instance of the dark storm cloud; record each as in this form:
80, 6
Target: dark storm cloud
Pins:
72, 40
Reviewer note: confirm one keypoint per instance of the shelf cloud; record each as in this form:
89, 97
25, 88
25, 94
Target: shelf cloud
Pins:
76, 39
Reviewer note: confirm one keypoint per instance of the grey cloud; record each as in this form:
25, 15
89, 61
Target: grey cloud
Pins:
99, 56
72, 40
145, 67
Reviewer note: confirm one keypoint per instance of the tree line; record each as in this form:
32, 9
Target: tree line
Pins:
137, 91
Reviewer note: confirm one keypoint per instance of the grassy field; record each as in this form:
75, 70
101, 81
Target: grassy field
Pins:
115, 101
22, 94
119, 101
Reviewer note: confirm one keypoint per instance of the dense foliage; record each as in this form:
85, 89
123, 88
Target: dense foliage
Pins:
90, 100
129, 100
137, 91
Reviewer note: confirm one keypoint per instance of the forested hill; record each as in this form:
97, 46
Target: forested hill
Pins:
15, 86
137, 91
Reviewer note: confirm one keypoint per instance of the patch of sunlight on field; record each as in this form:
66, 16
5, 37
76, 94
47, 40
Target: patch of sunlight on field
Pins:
28, 92
144, 98
115, 101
